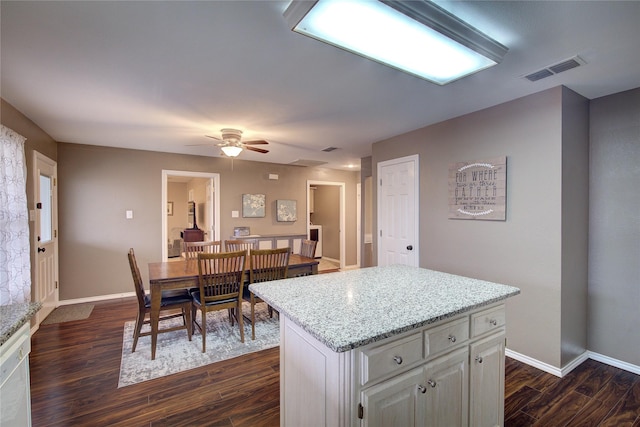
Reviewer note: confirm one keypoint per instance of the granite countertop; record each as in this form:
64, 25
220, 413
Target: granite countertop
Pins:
349, 309
13, 316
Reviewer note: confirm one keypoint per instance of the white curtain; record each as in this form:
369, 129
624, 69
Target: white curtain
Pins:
15, 264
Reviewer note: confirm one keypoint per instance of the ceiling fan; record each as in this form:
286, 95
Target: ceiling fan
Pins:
232, 145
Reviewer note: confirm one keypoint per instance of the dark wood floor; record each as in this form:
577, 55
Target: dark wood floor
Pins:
75, 368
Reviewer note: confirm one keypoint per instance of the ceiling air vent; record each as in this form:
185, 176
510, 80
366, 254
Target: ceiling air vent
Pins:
533, 77
329, 149
551, 70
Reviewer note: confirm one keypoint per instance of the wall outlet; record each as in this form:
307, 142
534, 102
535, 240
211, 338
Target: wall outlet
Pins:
129, 214
235, 214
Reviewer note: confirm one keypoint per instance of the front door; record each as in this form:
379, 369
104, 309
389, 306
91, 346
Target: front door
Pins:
398, 211
46, 234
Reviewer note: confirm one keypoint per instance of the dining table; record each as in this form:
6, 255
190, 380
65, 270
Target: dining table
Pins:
183, 274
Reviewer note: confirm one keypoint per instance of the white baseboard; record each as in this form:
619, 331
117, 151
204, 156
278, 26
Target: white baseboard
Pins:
533, 362
96, 298
573, 364
635, 369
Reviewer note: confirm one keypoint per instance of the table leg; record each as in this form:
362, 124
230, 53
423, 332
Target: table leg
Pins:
154, 315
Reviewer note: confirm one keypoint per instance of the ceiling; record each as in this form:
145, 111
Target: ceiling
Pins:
160, 75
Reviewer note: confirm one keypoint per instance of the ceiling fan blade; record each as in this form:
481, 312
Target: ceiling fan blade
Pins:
259, 150
256, 142
213, 137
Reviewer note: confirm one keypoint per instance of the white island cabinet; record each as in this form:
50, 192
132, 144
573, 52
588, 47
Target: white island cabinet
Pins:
390, 346
15, 345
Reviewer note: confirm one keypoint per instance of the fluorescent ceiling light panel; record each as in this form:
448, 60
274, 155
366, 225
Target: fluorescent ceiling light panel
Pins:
416, 37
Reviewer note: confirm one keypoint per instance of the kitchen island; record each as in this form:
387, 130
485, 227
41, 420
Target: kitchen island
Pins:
15, 344
392, 345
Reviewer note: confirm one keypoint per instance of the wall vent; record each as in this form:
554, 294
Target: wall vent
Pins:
551, 70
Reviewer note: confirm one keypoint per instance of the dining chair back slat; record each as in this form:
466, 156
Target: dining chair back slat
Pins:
265, 265
192, 249
178, 299
308, 248
221, 282
241, 245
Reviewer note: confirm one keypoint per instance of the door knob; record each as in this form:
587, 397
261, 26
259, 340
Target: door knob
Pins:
42, 249
410, 248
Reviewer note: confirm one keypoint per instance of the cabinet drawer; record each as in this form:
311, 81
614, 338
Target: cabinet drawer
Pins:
487, 320
446, 336
379, 361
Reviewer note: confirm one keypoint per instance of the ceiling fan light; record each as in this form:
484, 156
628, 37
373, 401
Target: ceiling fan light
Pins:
231, 150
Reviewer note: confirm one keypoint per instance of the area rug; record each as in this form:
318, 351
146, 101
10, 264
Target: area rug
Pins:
175, 353
69, 313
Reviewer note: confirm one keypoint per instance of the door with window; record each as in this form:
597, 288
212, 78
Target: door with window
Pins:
398, 215
45, 234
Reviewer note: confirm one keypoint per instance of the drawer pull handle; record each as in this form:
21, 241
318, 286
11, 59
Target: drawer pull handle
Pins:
479, 359
452, 338
422, 389
398, 359
493, 322
432, 383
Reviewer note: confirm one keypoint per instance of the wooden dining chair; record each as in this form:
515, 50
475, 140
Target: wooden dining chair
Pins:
308, 248
192, 249
174, 300
241, 245
221, 281
265, 265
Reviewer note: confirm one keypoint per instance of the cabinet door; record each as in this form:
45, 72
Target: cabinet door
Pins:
447, 390
395, 402
487, 382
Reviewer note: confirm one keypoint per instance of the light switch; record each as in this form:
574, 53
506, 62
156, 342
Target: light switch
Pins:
129, 214
235, 214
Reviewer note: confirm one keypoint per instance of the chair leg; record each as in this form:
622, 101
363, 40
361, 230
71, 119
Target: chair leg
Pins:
203, 310
138, 328
253, 317
193, 317
186, 313
240, 321
231, 315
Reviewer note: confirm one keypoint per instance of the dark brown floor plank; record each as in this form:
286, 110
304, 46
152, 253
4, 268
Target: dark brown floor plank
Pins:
75, 368
627, 410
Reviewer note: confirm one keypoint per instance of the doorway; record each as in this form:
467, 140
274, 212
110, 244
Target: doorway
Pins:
325, 217
207, 208
45, 236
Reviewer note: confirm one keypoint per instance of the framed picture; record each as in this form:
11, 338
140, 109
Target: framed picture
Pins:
253, 205
478, 189
286, 210
170, 208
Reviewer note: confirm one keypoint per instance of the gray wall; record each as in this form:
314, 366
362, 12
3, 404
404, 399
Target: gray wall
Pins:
97, 185
327, 214
525, 250
614, 229
575, 225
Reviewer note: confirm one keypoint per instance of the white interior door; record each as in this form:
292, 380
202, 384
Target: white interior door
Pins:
46, 234
398, 216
